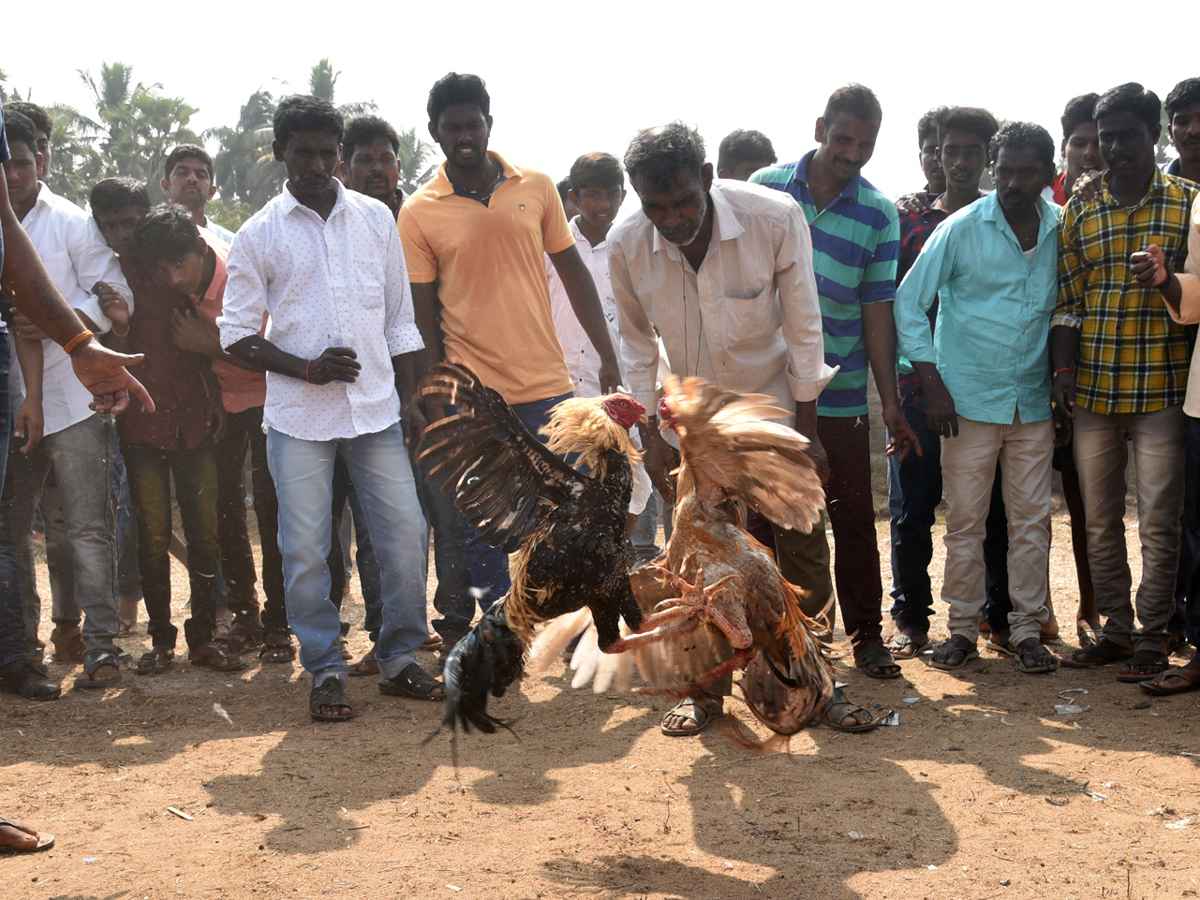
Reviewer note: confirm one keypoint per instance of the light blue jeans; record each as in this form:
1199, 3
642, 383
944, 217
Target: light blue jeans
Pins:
379, 466
80, 519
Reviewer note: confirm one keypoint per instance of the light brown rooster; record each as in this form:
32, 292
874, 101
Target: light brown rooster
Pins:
721, 604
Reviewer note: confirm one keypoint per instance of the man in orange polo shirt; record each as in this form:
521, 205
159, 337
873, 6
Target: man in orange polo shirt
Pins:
473, 242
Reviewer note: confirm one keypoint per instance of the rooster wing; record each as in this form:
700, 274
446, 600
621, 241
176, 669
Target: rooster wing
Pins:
504, 479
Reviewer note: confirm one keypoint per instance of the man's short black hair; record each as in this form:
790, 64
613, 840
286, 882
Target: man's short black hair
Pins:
659, 155
855, 99
1024, 134
562, 186
1182, 96
40, 118
188, 151
19, 128
1079, 110
927, 125
596, 170
364, 130
970, 119
168, 232
452, 89
1130, 97
303, 112
112, 194
744, 145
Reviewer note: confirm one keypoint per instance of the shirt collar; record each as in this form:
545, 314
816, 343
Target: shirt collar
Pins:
581, 238
801, 175
726, 226
291, 204
1157, 185
441, 186
992, 212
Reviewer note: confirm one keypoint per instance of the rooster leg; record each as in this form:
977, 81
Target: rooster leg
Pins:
680, 625
735, 662
705, 604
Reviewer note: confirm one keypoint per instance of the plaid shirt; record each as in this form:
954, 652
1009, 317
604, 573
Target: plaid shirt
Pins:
1132, 357
915, 229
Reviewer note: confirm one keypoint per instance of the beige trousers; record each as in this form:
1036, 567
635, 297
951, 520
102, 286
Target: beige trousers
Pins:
968, 471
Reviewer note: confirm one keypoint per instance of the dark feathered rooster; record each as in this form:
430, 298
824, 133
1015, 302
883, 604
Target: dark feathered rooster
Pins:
723, 604
564, 529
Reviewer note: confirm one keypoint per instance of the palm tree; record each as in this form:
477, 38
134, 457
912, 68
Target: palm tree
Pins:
247, 173
414, 157
138, 125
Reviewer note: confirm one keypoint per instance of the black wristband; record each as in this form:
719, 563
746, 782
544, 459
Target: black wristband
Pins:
1167, 283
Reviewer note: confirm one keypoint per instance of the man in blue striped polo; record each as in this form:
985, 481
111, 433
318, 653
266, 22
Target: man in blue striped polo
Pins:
856, 241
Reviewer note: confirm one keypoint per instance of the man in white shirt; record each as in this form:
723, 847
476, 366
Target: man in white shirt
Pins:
76, 441
326, 263
188, 181
722, 270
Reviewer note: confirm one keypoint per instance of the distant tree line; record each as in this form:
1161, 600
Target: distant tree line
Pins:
134, 127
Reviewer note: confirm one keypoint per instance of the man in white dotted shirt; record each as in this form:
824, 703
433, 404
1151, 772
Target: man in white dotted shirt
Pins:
326, 263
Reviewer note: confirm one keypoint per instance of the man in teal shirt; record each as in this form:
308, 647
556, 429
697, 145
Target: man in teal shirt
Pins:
994, 267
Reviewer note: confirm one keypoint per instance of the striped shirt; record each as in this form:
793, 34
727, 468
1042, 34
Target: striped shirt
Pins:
856, 241
1132, 357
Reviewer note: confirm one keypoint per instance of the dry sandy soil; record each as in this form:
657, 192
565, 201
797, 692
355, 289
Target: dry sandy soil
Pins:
982, 791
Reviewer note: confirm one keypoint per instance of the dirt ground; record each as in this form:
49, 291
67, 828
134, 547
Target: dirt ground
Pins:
982, 791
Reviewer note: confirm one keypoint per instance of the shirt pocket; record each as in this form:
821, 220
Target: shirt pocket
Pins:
750, 315
366, 281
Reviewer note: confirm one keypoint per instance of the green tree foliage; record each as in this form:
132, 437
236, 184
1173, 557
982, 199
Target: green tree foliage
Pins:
135, 125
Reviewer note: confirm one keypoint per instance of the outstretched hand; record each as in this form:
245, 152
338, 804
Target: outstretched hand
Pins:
103, 372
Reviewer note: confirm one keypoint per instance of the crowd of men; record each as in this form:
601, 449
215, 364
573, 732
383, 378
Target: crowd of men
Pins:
1039, 325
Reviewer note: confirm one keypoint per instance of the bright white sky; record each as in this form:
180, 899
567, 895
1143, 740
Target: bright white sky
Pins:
570, 78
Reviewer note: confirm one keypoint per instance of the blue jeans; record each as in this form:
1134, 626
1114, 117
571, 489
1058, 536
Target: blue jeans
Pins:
339, 561
79, 512
488, 565
379, 467
13, 647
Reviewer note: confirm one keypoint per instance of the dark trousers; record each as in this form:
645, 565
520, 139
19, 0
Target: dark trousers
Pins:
452, 599
852, 515
13, 646
489, 565
244, 432
150, 472
1191, 526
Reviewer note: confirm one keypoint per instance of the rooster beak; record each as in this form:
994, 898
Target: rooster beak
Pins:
643, 419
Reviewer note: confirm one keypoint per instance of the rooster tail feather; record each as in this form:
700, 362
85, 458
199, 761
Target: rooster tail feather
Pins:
487, 661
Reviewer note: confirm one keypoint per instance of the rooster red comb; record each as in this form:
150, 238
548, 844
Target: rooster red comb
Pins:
664, 413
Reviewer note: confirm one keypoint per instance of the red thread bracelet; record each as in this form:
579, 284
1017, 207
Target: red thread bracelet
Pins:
306, 367
1058, 372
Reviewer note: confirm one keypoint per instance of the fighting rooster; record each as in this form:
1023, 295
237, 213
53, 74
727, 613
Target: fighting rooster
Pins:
565, 530
723, 604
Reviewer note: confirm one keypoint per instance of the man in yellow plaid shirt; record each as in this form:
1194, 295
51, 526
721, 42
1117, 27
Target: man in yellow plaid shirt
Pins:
1120, 368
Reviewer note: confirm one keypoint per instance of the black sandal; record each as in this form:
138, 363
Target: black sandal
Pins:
277, 648
155, 661
330, 693
93, 662
415, 683
839, 698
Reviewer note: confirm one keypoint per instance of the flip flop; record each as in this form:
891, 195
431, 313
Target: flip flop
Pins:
956, 644
45, 840
905, 646
1188, 674
1033, 648
1146, 659
1103, 653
